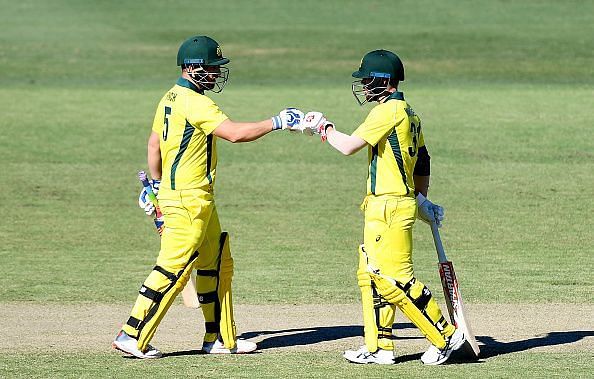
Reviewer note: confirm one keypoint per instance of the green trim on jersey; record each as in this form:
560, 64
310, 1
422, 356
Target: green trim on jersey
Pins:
395, 145
208, 157
183, 82
373, 168
396, 96
188, 132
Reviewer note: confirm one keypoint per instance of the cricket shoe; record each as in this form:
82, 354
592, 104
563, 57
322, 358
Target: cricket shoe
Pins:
129, 345
217, 347
363, 356
434, 356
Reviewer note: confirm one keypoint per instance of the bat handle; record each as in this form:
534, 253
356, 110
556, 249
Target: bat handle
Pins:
149, 190
441, 255
143, 179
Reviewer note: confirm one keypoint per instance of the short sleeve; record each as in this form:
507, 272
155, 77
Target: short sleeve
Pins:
206, 115
378, 123
158, 120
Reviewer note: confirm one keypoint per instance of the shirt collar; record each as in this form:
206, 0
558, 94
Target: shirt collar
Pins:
186, 83
396, 95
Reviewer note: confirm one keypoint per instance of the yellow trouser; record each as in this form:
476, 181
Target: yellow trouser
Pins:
388, 248
192, 239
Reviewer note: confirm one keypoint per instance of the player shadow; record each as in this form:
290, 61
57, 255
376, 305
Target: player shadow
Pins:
313, 335
308, 336
492, 348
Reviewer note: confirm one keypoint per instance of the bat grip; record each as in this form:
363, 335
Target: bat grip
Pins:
441, 255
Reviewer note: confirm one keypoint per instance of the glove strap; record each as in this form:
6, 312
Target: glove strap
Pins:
277, 123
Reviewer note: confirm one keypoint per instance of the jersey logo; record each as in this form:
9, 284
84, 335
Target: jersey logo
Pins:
171, 96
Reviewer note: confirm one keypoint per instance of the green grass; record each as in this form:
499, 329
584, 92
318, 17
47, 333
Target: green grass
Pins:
510, 181
505, 90
275, 365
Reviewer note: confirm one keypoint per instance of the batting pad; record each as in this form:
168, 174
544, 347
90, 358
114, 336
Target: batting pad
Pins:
378, 315
227, 323
214, 294
398, 296
156, 296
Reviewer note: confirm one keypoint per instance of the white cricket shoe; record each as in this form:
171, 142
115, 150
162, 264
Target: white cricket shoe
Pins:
129, 345
217, 347
363, 356
434, 356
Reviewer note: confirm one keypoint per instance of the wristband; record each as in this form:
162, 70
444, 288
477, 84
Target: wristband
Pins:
276, 123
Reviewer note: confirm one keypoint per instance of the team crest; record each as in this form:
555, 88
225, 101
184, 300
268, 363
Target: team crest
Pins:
219, 53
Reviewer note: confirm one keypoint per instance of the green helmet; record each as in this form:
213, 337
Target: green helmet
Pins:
378, 68
201, 50
380, 64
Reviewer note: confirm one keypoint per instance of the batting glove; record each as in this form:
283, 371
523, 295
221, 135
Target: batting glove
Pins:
322, 129
429, 212
288, 118
312, 121
143, 200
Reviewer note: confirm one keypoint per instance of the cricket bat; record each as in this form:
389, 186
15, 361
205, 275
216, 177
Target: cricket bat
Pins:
452, 294
189, 296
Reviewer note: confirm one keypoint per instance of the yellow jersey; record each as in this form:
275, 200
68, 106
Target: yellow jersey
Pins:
185, 120
393, 132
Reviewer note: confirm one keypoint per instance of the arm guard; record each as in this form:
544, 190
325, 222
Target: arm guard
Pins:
423, 165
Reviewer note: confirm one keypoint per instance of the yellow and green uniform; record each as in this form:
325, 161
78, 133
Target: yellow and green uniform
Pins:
393, 132
185, 120
192, 239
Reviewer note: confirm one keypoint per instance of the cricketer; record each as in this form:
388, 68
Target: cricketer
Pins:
397, 185
182, 160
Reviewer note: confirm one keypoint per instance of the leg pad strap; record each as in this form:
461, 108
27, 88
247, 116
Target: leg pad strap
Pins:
209, 297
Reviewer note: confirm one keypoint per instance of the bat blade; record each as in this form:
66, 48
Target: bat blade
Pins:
455, 304
452, 294
189, 295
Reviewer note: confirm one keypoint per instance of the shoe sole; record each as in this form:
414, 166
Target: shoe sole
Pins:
115, 346
448, 353
369, 363
226, 351
366, 362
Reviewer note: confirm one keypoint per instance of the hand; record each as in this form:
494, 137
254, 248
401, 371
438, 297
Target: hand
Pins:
323, 128
143, 200
429, 212
312, 123
288, 118
159, 224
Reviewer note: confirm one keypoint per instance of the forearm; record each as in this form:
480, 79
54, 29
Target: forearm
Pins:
243, 131
344, 143
251, 131
421, 184
154, 156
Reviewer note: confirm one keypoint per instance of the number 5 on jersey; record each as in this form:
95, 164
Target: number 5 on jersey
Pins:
166, 122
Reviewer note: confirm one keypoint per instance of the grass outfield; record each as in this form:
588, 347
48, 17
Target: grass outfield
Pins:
505, 90
318, 365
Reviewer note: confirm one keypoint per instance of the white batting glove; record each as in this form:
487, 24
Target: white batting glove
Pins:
288, 118
312, 122
429, 212
143, 200
322, 129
